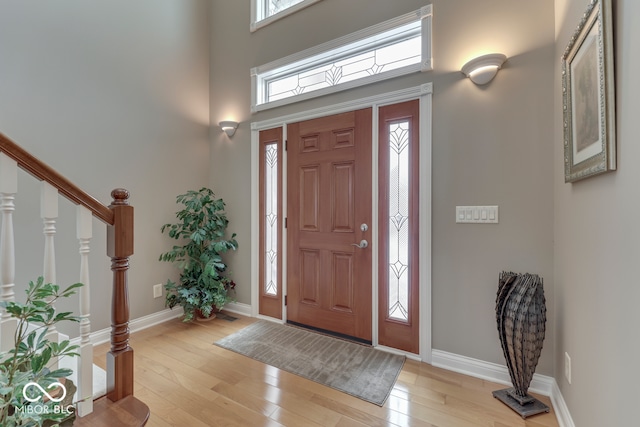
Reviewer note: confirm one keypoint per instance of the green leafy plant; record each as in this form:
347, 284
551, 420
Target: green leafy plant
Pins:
29, 359
204, 281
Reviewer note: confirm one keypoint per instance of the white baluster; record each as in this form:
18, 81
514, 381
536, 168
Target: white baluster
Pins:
8, 190
85, 361
49, 214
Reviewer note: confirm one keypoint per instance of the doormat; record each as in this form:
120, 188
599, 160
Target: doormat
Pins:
355, 369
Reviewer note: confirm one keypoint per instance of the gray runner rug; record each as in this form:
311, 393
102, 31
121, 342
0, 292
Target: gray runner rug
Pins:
356, 369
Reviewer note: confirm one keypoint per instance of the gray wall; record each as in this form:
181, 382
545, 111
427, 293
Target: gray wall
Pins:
117, 94
491, 145
111, 94
596, 252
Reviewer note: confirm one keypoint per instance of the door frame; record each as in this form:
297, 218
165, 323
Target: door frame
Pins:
424, 94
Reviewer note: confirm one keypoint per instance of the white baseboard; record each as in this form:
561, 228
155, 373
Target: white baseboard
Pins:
238, 308
104, 335
540, 384
560, 406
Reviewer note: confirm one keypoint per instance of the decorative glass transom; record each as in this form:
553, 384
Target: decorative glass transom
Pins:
393, 48
398, 256
264, 12
271, 220
274, 6
387, 58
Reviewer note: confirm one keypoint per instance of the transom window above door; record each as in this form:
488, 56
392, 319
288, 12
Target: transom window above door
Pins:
390, 49
264, 12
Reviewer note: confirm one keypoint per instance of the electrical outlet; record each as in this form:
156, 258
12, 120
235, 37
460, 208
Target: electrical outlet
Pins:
567, 367
157, 290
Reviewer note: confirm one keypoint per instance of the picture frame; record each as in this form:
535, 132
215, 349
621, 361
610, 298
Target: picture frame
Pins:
589, 96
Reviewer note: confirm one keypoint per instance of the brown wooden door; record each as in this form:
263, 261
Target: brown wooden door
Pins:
328, 198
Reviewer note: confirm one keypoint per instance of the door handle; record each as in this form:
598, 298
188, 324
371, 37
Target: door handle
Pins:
363, 244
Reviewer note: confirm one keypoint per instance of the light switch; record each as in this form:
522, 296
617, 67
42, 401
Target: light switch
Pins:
477, 214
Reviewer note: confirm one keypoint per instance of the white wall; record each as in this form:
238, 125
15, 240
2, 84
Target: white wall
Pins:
111, 94
491, 145
596, 254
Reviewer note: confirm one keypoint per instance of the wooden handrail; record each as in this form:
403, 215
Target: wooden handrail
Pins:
119, 219
44, 172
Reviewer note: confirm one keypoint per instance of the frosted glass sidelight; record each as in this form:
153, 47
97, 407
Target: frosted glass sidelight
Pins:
398, 255
271, 220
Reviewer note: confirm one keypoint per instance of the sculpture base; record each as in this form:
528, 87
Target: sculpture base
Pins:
533, 407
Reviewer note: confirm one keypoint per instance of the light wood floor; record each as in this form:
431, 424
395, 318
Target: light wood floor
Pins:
188, 381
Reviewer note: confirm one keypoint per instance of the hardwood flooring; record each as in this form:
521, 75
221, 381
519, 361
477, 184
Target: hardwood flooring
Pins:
187, 381
127, 412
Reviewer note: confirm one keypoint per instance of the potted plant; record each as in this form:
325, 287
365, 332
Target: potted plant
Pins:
24, 371
204, 286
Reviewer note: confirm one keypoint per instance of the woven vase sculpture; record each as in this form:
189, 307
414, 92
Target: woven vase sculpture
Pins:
521, 316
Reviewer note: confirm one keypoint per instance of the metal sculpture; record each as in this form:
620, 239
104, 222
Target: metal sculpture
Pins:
521, 316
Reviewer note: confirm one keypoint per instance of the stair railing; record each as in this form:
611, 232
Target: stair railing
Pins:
118, 217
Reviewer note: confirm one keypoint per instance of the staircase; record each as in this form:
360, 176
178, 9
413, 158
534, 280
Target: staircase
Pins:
119, 407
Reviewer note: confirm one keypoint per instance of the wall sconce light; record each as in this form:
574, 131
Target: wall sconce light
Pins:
483, 69
229, 127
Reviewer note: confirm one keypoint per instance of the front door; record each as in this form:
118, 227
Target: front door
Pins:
329, 223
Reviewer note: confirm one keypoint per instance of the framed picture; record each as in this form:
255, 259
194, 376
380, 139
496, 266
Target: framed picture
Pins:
589, 96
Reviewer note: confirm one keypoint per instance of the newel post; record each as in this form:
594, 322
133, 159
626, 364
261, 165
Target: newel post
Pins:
119, 248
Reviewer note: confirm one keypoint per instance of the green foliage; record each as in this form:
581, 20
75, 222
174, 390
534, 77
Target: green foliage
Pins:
29, 359
201, 227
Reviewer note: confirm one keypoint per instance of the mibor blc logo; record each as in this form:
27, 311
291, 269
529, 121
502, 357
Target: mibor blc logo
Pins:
44, 393
39, 397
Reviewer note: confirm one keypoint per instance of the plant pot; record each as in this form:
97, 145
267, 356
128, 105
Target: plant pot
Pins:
200, 317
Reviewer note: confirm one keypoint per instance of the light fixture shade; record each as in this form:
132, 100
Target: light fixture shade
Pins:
483, 69
229, 127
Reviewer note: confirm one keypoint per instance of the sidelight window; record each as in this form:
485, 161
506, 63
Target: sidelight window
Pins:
271, 220
398, 210
398, 221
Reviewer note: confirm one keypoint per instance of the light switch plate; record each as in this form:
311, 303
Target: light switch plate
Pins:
477, 214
